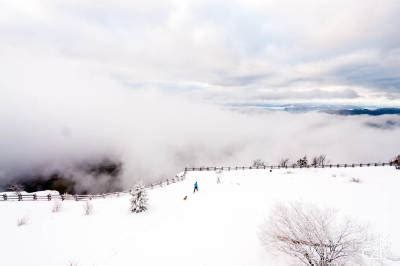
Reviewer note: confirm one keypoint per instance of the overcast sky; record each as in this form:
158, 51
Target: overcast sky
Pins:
341, 51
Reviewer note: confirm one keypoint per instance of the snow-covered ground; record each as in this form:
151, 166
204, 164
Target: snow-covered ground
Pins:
217, 226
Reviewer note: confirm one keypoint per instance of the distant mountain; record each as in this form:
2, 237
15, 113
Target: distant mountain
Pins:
365, 111
345, 110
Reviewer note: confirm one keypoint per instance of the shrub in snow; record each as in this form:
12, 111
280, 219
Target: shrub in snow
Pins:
355, 180
138, 199
56, 206
258, 163
22, 221
88, 208
312, 235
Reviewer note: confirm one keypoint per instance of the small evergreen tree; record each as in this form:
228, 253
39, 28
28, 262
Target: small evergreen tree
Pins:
396, 161
139, 199
302, 162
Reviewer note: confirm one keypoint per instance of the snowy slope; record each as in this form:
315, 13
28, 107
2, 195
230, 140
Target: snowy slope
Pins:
217, 226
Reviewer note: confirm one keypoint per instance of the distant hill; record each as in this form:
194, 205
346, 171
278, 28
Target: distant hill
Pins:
323, 108
364, 111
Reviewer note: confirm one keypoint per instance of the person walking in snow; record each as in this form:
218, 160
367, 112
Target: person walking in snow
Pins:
196, 187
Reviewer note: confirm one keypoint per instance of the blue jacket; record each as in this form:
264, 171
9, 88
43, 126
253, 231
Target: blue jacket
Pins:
195, 185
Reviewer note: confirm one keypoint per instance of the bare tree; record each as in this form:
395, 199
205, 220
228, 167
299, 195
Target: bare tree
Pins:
322, 160
284, 162
319, 160
312, 235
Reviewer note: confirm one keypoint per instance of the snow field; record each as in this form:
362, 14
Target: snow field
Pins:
216, 226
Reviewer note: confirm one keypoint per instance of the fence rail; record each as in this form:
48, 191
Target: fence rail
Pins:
232, 168
19, 196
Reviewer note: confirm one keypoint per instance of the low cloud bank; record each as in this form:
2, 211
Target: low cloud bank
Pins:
60, 115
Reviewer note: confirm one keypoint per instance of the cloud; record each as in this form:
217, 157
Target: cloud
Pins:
57, 113
147, 82
235, 47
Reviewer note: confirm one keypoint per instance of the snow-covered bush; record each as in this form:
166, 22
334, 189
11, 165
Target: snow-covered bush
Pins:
56, 206
355, 180
313, 235
88, 207
138, 199
259, 163
22, 221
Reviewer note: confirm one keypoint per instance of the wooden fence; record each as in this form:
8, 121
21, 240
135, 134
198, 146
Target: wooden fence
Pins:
232, 168
18, 196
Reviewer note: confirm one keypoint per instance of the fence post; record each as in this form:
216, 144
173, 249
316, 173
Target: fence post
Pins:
19, 196
4, 196
49, 197
34, 196
76, 197
62, 197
